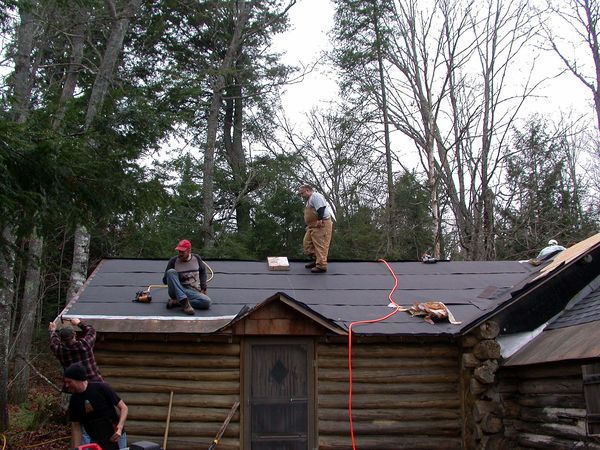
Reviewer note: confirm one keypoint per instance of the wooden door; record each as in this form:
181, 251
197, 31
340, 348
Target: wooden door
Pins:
279, 395
591, 390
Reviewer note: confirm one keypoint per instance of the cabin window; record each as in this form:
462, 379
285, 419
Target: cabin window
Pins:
591, 391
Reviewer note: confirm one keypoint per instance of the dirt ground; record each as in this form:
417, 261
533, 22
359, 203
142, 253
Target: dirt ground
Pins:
40, 423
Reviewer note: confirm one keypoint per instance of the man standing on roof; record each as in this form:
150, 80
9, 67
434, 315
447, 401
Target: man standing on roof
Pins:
185, 277
69, 349
98, 408
318, 218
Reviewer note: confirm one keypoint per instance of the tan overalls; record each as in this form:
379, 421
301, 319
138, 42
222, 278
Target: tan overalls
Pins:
317, 239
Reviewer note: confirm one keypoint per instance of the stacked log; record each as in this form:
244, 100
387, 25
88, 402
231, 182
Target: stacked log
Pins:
204, 378
483, 422
404, 396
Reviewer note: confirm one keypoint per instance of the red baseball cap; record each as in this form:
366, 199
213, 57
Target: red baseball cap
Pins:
184, 244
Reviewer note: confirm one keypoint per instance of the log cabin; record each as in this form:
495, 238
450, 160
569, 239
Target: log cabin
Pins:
549, 380
320, 361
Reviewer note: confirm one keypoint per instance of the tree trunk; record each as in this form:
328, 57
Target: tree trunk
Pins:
592, 33
21, 86
28, 308
218, 85
106, 70
79, 267
72, 72
22, 75
7, 261
99, 89
234, 151
391, 203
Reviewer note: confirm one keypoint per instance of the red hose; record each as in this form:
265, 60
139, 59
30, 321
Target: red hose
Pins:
363, 322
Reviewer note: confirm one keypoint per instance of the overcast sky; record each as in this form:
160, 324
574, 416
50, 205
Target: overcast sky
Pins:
303, 44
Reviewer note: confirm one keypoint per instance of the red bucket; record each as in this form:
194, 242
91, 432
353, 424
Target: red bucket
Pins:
89, 447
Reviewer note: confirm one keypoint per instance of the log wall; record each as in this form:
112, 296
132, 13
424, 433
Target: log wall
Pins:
405, 396
545, 407
204, 376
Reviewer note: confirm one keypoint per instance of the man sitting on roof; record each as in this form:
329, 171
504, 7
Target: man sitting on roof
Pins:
185, 277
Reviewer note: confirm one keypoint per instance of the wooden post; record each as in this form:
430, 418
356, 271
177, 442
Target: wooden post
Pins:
168, 422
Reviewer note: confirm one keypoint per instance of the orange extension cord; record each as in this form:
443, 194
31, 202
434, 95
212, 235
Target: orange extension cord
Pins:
363, 322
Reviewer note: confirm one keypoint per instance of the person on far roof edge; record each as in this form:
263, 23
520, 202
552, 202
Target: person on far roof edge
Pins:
185, 277
318, 218
552, 249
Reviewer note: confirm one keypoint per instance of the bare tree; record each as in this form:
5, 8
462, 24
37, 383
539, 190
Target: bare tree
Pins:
594, 171
339, 157
569, 26
450, 96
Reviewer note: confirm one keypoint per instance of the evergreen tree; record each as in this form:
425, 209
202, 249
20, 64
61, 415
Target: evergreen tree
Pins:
539, 201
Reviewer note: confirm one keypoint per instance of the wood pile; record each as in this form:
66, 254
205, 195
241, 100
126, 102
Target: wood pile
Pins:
484, 414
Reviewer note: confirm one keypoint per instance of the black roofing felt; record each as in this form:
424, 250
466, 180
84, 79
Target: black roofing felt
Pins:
348, 292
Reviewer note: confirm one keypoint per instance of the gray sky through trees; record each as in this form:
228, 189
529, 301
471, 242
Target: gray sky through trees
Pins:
311, 21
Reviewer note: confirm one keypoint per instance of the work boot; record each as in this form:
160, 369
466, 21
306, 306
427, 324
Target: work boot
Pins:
187, 308
172, 303
310, 265
318, 270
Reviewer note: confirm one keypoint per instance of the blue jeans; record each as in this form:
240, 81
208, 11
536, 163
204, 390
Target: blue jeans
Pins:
86, 439
180, 292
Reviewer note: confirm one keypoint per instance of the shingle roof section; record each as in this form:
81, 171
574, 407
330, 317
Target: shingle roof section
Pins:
585, 310
348, 292
573, 335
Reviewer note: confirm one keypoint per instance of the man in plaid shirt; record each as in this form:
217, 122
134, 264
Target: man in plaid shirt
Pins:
69, 349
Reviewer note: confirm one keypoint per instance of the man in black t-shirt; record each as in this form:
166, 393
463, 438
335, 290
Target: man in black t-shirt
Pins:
94, 406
